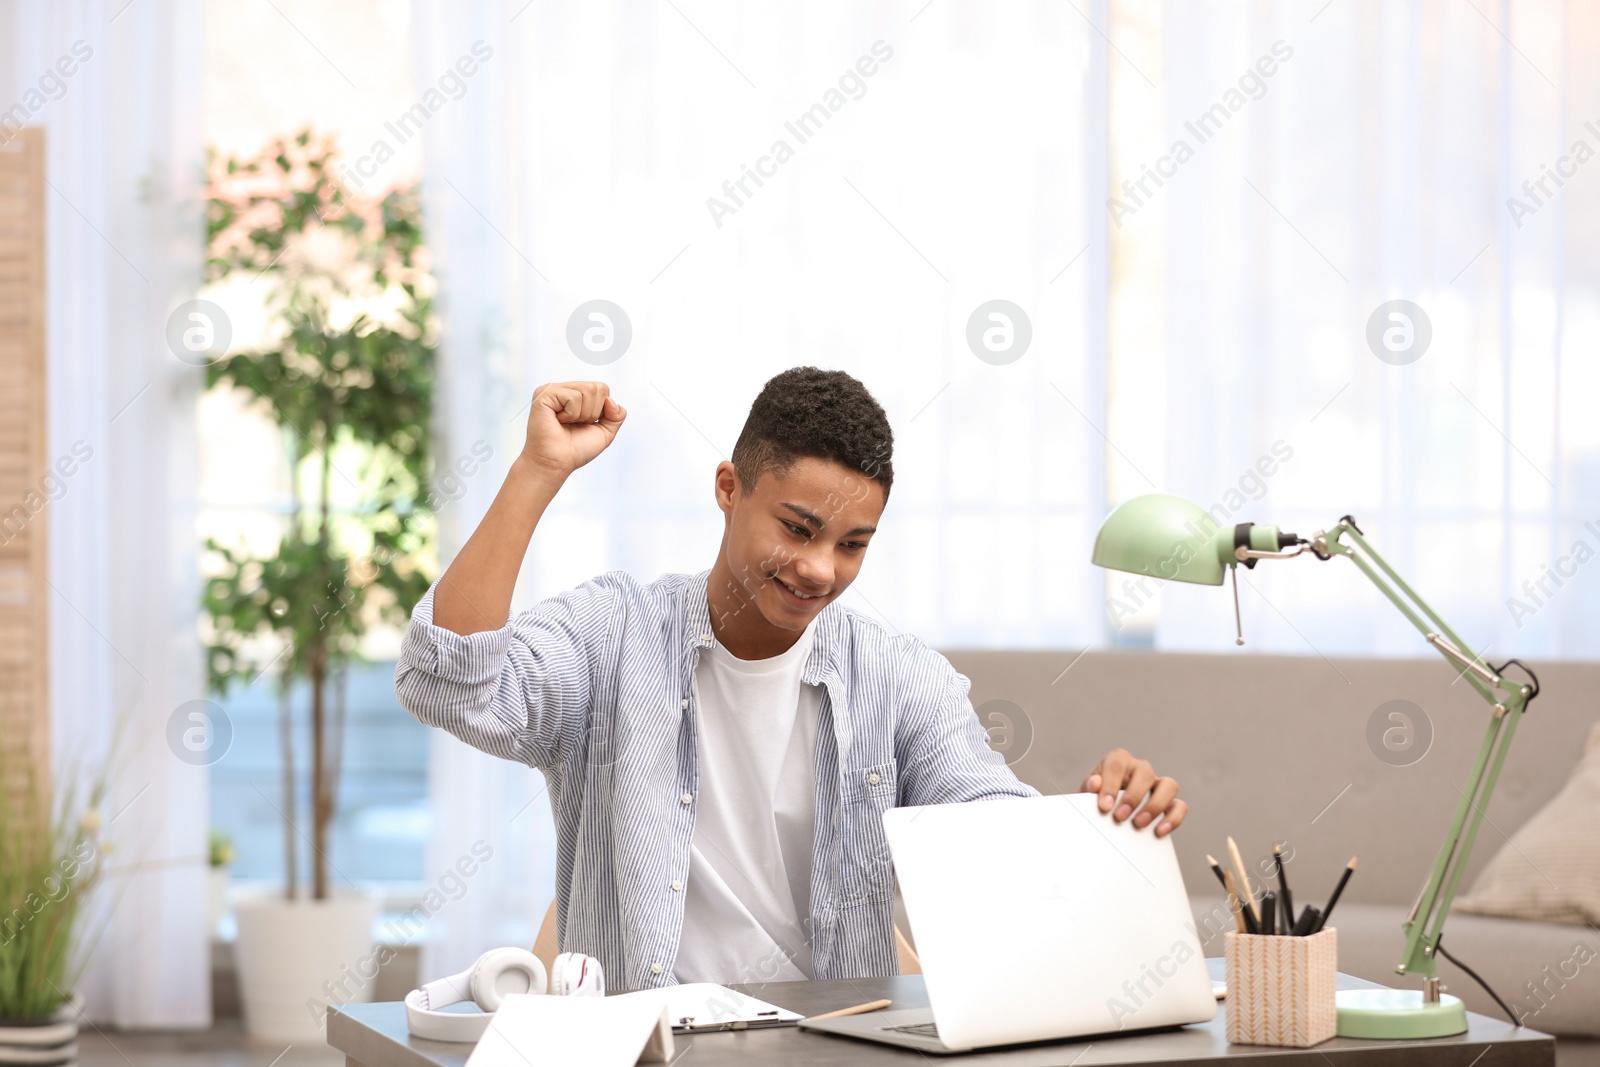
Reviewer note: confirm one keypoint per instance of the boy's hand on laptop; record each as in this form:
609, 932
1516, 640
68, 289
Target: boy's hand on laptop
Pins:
1136, 781
569, 424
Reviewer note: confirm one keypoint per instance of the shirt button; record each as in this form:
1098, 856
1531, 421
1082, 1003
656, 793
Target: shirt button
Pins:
684, 703
687, 798
655, 968
873, 779
676, 885
705, 637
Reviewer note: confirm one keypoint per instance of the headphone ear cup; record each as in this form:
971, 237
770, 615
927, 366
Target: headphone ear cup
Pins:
506, 970
558, 975
577, 975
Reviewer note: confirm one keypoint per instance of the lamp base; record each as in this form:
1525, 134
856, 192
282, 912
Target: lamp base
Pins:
1398, 1014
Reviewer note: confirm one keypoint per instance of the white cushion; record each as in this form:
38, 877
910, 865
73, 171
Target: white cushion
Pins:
1549, 871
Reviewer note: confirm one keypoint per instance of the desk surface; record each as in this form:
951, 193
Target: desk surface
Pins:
374, 1035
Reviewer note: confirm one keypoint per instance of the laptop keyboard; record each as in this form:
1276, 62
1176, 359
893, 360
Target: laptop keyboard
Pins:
920, 1029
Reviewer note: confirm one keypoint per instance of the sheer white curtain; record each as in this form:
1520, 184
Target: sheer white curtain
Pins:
1375, 163
957, 158
124, 249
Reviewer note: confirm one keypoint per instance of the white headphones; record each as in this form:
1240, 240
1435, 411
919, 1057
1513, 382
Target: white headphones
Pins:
498, 972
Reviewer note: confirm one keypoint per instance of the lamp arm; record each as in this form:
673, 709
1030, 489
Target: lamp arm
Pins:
1410, 604
1424, 926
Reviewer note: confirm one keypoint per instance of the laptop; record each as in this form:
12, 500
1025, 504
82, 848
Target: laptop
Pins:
1037, 919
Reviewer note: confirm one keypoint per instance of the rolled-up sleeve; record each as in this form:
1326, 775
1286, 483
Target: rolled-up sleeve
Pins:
522, 692
943, 752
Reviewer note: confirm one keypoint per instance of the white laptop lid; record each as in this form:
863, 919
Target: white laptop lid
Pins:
1040, 918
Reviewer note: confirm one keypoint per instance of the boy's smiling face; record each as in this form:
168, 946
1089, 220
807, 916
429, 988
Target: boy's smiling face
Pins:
791, 545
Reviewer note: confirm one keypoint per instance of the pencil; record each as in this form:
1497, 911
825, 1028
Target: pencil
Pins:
1216, 869
859, 1009
1349, 868
1233, 902
1283, 886
1247, 895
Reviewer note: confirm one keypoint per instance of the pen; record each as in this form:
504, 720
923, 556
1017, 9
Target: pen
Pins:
1343, 878
1269, 913
1216, 869
1247, 895
1246, 919
1233, 903
872, 1005
1283, 885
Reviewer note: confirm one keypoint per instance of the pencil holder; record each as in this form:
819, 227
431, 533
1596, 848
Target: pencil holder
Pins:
1280, 988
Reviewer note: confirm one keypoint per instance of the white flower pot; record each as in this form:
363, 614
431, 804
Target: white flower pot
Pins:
295, 957
216, 897
53, 1041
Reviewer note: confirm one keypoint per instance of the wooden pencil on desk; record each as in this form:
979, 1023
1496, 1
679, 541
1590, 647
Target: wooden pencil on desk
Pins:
859, 1009
1246, 894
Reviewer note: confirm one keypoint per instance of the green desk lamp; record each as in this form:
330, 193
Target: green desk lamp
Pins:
1168, 537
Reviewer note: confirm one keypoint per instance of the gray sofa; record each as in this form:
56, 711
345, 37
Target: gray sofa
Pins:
1275, 748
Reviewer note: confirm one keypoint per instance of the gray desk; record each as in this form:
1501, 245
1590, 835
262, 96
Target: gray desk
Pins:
374, 1035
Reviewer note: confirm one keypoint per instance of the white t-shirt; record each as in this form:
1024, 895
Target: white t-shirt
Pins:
748, 896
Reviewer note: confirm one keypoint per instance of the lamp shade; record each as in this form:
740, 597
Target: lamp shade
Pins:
1165, 537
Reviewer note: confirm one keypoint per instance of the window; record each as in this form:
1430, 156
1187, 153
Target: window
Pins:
381, 828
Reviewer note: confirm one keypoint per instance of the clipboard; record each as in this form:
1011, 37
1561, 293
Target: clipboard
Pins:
705, 1007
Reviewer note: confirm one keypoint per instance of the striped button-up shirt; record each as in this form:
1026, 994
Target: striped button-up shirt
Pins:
595, 688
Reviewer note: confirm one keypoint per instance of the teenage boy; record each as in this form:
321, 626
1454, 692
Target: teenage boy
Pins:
720, 747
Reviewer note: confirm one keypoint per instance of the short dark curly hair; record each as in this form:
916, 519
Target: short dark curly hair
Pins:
806, 412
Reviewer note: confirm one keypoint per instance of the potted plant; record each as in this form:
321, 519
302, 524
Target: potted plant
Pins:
219, 855
346, 370
50, 862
